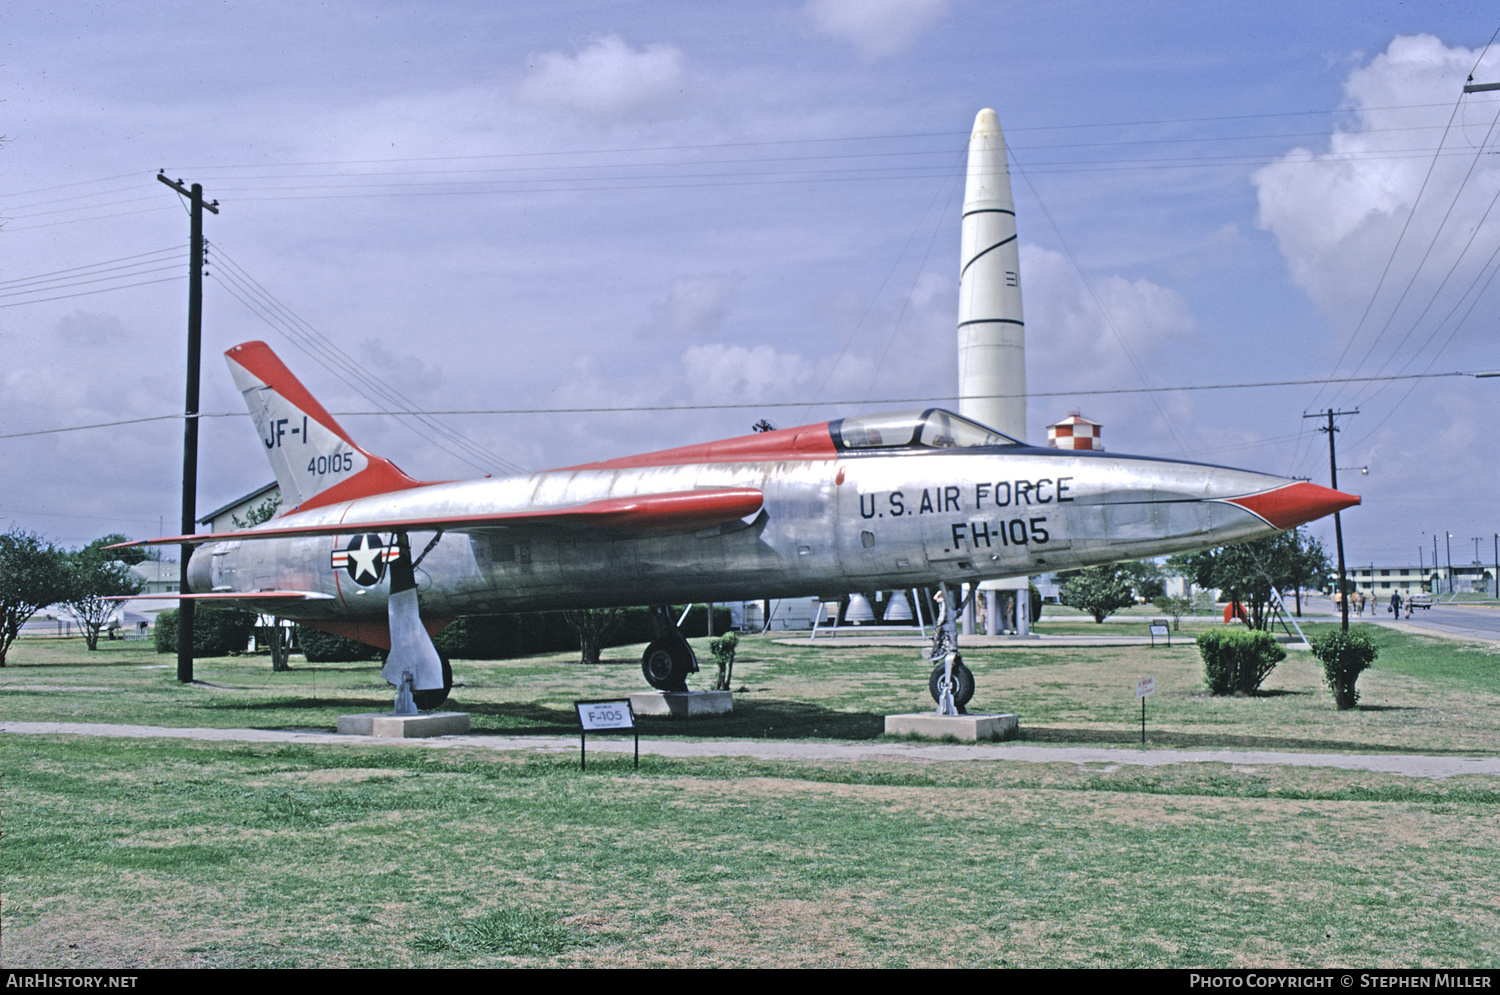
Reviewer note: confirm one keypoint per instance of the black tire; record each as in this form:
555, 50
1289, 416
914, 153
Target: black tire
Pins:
666, 664
963, 683
428, 700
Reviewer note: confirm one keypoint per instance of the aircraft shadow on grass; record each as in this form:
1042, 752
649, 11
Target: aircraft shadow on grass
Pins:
769, 719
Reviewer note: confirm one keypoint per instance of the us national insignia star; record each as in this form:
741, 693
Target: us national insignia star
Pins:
365, 558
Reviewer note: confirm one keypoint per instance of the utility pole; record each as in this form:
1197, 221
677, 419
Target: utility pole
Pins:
1338, 526
190, 417
1448, 542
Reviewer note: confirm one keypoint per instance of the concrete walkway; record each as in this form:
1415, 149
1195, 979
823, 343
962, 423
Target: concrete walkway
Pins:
1105, 759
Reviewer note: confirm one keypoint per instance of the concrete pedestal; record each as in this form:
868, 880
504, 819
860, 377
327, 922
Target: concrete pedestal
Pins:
395, 726
964, 728
682, 704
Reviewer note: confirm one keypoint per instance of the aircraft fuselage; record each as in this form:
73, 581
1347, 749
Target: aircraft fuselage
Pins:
858, 521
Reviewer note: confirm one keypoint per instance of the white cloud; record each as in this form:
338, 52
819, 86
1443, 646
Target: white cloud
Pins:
607, 80
1072, 345
411, 375
1070, 342
87, 329
695, 306
730, 373
876, 28
1337, 214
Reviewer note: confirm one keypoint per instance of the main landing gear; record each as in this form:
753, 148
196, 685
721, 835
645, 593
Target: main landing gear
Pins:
668, 659
422, 676
426, 701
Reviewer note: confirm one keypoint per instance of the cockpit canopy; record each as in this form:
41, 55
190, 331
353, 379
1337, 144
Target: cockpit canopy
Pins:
934, 428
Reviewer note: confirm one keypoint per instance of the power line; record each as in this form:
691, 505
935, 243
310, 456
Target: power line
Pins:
281, 318
1098, 303
947, 135
1427, 253
92, 217
1406, 225
102, 290
77, 281
91, 266
643, 408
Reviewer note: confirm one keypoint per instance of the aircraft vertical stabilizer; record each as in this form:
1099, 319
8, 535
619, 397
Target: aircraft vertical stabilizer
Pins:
315, 461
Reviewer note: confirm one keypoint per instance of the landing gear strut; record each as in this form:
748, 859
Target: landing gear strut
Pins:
420, 675
668, 659
951, 683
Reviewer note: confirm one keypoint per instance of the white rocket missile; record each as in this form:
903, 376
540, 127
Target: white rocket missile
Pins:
991, 332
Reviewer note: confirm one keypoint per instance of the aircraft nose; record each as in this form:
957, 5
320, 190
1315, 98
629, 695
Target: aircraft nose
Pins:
1292, 505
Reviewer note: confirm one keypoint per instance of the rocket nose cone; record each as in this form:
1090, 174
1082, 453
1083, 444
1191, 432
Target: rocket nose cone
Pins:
1293, 504
986, 123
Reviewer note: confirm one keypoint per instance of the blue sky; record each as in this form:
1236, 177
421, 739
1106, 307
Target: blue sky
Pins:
646, 205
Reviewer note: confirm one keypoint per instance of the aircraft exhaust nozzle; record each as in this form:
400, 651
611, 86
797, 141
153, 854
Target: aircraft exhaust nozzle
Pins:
991, 330
1295, 504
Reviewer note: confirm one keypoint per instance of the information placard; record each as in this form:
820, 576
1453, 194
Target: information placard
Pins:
605, 715
593, 715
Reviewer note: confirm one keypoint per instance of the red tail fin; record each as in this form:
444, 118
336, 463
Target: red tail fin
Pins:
315, 461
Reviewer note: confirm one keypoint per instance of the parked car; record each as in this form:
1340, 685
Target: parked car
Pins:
1420, 600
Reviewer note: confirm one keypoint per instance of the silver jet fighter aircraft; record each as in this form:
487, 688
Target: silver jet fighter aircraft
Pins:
872, 502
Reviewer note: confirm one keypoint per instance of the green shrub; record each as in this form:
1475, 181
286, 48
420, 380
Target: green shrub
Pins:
325, 647
722, 648
501, 637
216, 631
1345, 656
1235, 662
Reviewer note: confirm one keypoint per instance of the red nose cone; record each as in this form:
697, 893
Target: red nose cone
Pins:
1287, 507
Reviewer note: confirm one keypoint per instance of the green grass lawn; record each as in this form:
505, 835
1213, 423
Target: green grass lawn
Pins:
1424, 694
172, 853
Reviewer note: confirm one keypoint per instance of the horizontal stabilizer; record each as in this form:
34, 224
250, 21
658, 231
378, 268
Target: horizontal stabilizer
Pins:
641, 514
267, 597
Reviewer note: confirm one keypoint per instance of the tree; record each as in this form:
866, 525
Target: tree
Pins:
1247, 572
1146, 578
129, 556
93, 575
268, 627
32, 575
1311, 568
1174, 607
262, 512
593, 625
1100, 591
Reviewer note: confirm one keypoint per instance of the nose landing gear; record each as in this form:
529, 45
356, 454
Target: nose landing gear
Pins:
951, 683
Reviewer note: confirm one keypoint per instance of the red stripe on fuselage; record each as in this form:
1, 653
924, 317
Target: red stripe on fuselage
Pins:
806, 442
